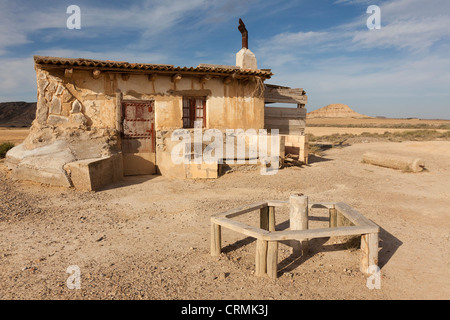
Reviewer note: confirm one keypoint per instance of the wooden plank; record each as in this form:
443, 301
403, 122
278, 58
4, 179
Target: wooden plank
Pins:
284, 95
285, 203
240, 227
278, 203
325, 205
354, 216
286, 129
318, 233
285, 122
285, 112
241, 210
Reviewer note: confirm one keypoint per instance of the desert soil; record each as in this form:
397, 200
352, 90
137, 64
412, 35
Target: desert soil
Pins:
148, 237
15, 136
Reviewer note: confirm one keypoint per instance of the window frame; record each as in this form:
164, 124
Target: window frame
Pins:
191, 108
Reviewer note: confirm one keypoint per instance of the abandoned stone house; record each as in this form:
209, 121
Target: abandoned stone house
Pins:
97, 121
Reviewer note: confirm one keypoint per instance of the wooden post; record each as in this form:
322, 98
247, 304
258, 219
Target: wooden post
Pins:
216, 239
298, 220
272, 259
342, 221
261, 258
333, 217
369, 251
264, 218
119, 98
271, 218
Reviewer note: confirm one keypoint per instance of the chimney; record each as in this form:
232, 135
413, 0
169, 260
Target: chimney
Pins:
245, 59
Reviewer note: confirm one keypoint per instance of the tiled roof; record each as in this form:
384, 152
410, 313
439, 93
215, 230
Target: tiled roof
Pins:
123, 65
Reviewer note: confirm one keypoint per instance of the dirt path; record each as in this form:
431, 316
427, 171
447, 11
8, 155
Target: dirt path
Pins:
148, 237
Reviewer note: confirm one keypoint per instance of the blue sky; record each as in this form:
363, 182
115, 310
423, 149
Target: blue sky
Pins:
325, 47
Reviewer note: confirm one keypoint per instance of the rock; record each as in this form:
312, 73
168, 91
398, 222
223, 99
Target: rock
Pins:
76, 107
54, 120
41, 111
55, 105
335, 111
44, 164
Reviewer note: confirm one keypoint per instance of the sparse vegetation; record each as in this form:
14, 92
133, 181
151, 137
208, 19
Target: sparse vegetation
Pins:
4, 147
384, 125
413, 135
316, 142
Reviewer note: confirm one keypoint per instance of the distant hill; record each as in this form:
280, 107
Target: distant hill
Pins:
335, 111
17, 114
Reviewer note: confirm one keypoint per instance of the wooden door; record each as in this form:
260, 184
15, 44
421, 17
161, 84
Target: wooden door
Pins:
138, 138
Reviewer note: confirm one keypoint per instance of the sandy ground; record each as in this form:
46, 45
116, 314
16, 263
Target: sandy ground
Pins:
148, 237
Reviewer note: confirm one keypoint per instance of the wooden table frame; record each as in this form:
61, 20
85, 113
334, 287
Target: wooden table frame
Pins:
343, 221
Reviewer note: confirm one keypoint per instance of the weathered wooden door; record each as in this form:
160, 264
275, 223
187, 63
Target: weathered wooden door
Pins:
138, 138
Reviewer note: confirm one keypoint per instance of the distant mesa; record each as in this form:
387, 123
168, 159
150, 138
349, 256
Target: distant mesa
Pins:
17, 114
335, 111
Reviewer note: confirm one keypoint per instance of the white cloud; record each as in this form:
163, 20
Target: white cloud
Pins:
17, 79
396, 70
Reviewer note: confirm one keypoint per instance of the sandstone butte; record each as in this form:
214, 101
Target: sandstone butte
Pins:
335, 111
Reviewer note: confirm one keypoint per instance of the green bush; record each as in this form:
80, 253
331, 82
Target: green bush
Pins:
4, 147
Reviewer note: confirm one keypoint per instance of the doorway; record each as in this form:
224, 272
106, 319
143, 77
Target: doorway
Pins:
138, 137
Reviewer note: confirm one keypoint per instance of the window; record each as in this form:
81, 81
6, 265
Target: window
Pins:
194, 108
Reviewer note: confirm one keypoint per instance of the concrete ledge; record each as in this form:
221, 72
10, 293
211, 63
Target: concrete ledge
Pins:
92, 174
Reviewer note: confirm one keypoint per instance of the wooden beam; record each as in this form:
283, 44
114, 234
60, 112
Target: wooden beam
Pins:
68, 73
318, 233
354, 216
96, 74
176, 77
291, 113
241, 210
273, 94
141, 71
205, 78
240, 227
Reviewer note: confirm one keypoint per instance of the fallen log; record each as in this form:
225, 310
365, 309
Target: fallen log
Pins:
406, 164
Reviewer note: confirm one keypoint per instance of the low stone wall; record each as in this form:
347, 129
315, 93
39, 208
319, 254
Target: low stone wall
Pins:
92, 174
